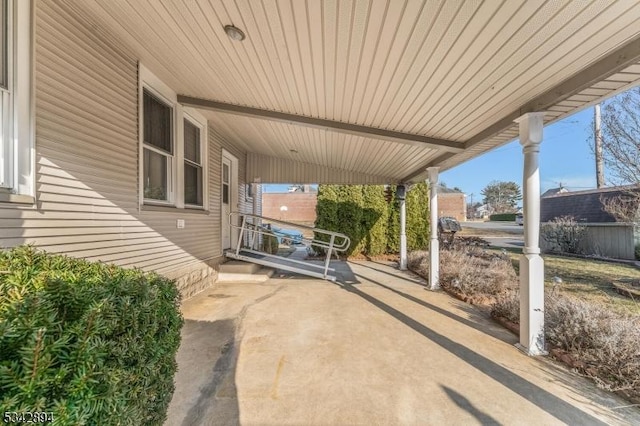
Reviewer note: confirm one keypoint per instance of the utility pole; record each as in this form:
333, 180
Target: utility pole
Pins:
597, 136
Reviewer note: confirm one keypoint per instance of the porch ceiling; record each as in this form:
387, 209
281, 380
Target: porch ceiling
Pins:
453, 71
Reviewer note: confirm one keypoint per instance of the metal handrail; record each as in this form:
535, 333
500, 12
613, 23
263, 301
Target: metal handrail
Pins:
338, 242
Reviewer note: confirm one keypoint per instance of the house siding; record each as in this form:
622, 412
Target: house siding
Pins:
279, 170
612, 240
87, 205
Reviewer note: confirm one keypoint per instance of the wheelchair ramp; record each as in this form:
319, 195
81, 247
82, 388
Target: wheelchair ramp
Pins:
283, 263
259, 237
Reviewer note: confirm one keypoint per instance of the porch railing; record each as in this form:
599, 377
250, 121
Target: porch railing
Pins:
253, 229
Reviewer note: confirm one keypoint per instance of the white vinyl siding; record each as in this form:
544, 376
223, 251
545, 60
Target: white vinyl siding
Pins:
87, 150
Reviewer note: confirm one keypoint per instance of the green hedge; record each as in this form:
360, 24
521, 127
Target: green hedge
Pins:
92, 343
503, 217
372, 224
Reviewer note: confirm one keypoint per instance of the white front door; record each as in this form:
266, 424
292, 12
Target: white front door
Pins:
228, 198
226, 202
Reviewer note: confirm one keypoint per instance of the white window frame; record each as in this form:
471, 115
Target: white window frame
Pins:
153, 85
194, 117
16, 108
175, 188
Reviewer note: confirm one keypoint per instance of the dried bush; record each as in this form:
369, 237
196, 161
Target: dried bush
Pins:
563, 235
470, 270
605, 342
507, 306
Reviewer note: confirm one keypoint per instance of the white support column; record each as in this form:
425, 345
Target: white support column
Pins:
531, 264
403, 233
434, 244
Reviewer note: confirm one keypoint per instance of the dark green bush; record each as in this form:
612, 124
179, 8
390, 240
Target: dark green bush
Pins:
503, 217
95, 344
418, 217
372, 224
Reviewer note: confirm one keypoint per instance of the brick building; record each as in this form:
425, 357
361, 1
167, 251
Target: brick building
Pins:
452, 203
300, 206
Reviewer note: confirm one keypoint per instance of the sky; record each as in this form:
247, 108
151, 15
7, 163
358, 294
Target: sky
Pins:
565, 158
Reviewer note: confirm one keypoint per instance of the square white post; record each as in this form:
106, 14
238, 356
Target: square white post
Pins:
434, 245
403, 234
531, 264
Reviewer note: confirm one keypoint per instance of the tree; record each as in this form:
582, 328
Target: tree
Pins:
621, 150
621, 137
372, 224
375, 219
418, 217
502, 197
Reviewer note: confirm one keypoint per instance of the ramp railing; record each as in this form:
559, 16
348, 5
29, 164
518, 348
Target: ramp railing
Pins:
259, 236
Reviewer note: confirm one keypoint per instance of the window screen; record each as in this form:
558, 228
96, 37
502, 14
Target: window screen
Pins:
157, 123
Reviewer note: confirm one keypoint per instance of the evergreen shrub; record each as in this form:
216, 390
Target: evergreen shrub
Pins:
93, 344
373, 225
503, 217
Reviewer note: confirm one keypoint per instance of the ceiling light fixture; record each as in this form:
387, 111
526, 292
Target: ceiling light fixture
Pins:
234, 33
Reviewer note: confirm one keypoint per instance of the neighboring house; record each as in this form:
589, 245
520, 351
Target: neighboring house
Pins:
296, 206
482, 212
554, 191
452, 203
606, 236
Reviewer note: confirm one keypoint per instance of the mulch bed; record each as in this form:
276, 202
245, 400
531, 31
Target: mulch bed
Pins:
509, 325
470, 299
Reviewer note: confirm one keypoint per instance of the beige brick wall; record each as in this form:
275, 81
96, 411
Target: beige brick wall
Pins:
452, 204
301, 206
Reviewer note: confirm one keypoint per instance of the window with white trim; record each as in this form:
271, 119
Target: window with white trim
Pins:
173, 166
16, 139
158, 148
193, 170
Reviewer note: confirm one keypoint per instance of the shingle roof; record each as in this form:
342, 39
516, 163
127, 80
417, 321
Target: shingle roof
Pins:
554, 191
584, 206
446, 190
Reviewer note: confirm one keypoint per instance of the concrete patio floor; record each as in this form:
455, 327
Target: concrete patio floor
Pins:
377, 349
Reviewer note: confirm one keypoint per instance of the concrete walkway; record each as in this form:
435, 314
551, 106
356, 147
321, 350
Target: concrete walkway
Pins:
377, 349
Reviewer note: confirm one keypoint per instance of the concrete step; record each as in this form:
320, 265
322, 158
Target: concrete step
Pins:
239, 271
239, 267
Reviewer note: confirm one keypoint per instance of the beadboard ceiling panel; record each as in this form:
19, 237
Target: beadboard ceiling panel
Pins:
452, 70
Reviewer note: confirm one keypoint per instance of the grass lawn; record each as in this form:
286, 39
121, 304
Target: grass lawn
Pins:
588, 279
480, 232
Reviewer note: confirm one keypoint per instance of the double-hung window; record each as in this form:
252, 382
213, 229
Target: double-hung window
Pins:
193, 170
173, 166
16, 138
158, 148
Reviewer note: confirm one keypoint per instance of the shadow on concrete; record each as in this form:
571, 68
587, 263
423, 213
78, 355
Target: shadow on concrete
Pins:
600, 397
404, 275
546, 401
467, 406
493, 333
214, 344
